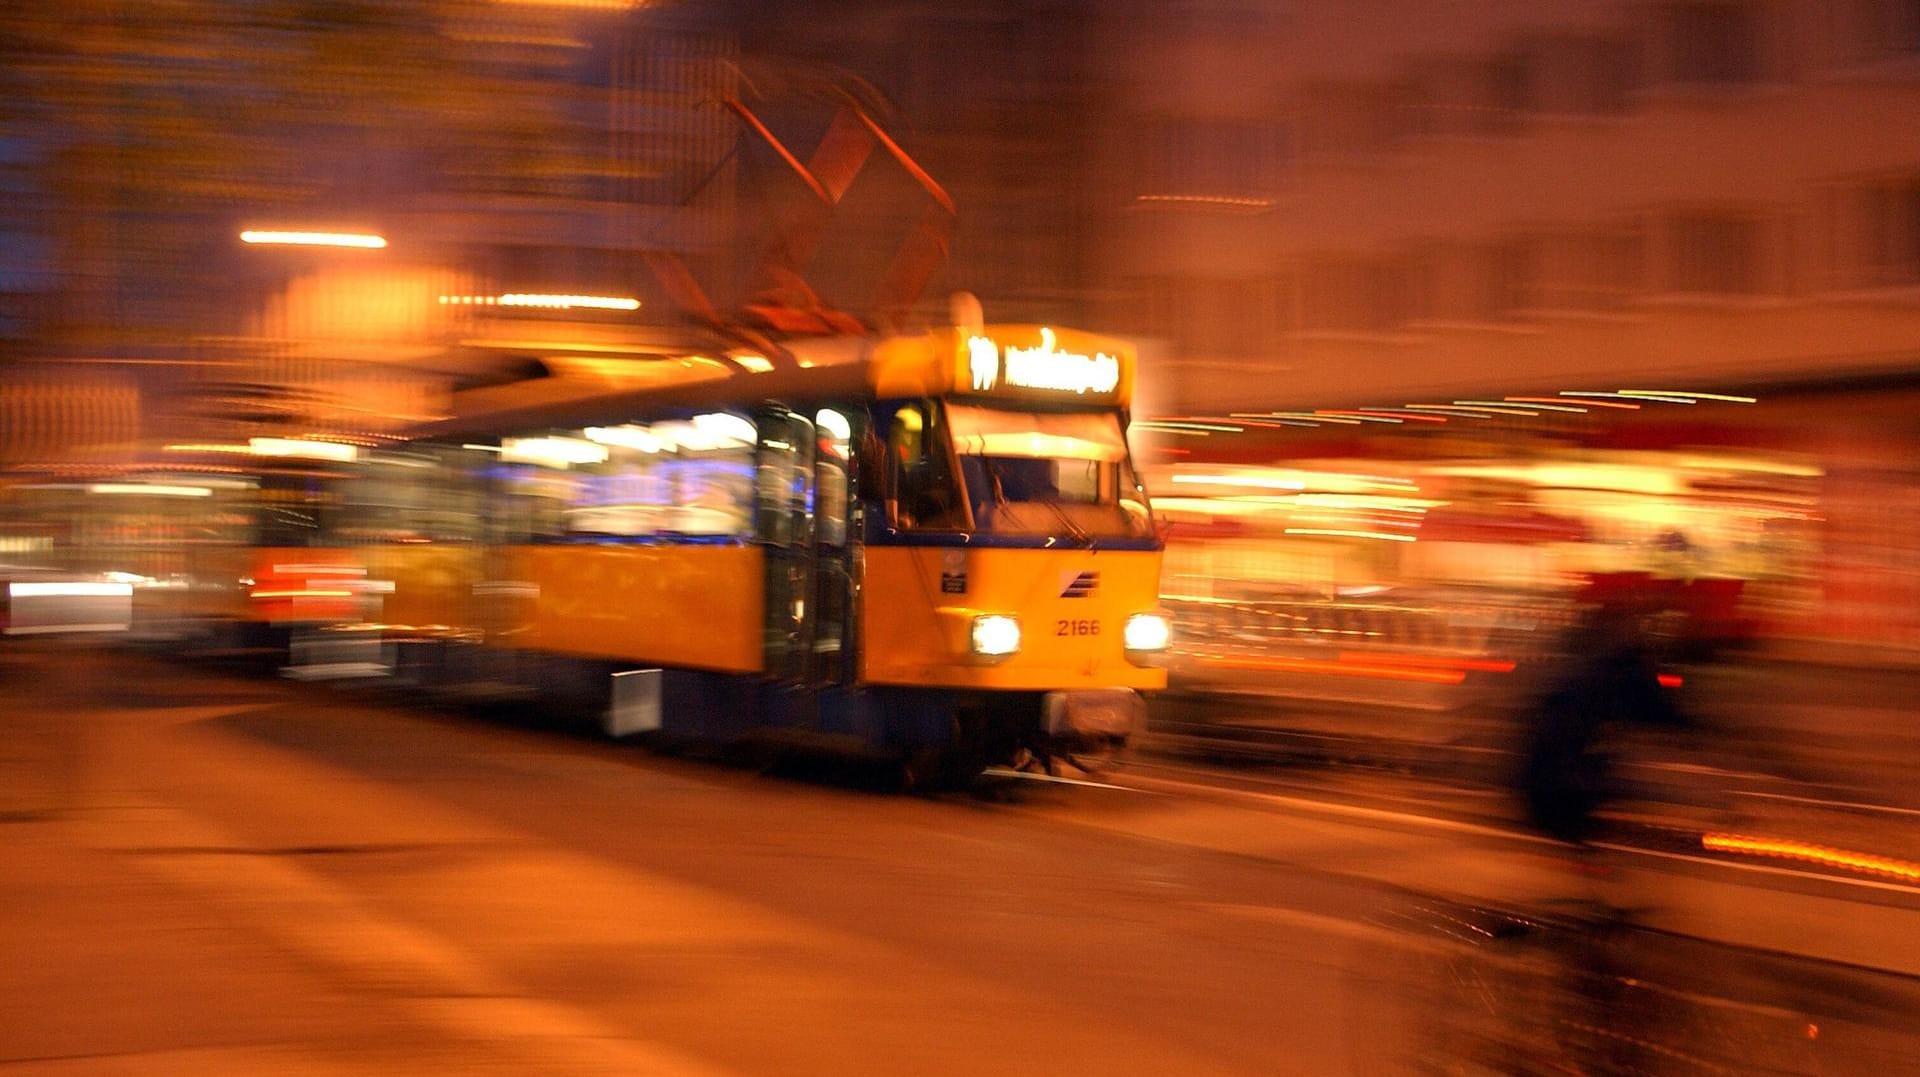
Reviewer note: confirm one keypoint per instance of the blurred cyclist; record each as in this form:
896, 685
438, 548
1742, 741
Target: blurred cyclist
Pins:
1608, 679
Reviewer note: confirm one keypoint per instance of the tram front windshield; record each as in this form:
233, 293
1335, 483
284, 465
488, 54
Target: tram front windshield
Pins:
1048, 473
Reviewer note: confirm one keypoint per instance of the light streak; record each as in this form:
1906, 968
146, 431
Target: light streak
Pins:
1309, 665
1788, 849
211, 448
154, 489
1427, 661
1258, 482
1583, 404
1209, 200
1309, 416
1666, 393
1498, 409
69, 590
303, 448
315, 239
1179, 424
1403, 413
1503, 403
1634, 396
1450, 409
1336, 532
568, 302
1357, 415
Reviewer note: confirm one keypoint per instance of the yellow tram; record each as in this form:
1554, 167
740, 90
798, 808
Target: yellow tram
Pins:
933, 547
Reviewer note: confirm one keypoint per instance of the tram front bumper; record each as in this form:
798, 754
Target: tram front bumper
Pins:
1117, 714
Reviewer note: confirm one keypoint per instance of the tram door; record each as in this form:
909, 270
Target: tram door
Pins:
804, 521
783, 522
835, 532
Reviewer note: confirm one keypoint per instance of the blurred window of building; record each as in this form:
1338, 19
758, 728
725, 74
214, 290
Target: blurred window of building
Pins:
1579, 74
1351, 119
1477, 95
1713, 252
1341, 295
1215, 317
1467, 283
1871, 233
1582, 269
1872, 31
1709, 43
1200, 159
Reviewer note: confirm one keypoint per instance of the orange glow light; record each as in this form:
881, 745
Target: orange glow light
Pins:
1787, 849
1209, 200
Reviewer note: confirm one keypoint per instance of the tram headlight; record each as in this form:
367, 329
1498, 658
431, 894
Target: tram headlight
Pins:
1146, 633
995, 635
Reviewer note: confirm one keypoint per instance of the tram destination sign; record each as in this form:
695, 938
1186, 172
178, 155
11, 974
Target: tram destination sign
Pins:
1045, 364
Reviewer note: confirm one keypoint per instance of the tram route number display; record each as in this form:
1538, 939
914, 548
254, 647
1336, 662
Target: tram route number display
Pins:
1065, 627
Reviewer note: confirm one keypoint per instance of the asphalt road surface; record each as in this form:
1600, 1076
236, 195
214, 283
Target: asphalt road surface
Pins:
208, 873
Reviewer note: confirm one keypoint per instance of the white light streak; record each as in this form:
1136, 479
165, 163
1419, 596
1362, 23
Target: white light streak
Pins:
1663, 399
1675, 393
1257, 482
553, 452
1340, 533
315, 239
69, 590
302, 448
153, 489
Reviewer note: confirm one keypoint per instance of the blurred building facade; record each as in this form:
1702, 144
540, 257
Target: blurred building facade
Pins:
1396, 201
496, 148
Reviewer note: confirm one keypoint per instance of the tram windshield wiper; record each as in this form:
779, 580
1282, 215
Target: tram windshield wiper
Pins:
995, 472
1080, 534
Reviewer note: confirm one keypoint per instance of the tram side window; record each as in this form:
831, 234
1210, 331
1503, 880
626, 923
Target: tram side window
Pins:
417, 494
833, 453
923, 485
674, 479
291, 513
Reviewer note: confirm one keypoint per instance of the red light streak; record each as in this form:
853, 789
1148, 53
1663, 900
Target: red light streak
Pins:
1308, 665
1427, 661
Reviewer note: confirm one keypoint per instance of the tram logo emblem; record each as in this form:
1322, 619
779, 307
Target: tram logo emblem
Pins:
1079, 584
983, 362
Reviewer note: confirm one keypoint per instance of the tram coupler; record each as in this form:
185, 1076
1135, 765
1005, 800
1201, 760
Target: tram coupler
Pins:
1093, 716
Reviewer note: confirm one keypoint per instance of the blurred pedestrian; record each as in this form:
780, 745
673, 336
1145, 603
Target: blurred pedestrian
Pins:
1608, 679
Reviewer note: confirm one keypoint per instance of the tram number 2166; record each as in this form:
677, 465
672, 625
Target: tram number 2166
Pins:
1076, 628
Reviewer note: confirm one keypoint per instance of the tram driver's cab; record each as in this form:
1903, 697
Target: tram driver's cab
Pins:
997, 470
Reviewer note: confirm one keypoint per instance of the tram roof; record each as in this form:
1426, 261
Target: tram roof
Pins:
1031, 364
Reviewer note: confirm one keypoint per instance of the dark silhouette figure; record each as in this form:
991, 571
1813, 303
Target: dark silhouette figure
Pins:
1609, 679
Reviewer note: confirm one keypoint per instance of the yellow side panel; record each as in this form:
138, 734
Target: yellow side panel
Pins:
432, 583
916, 633
692, 606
